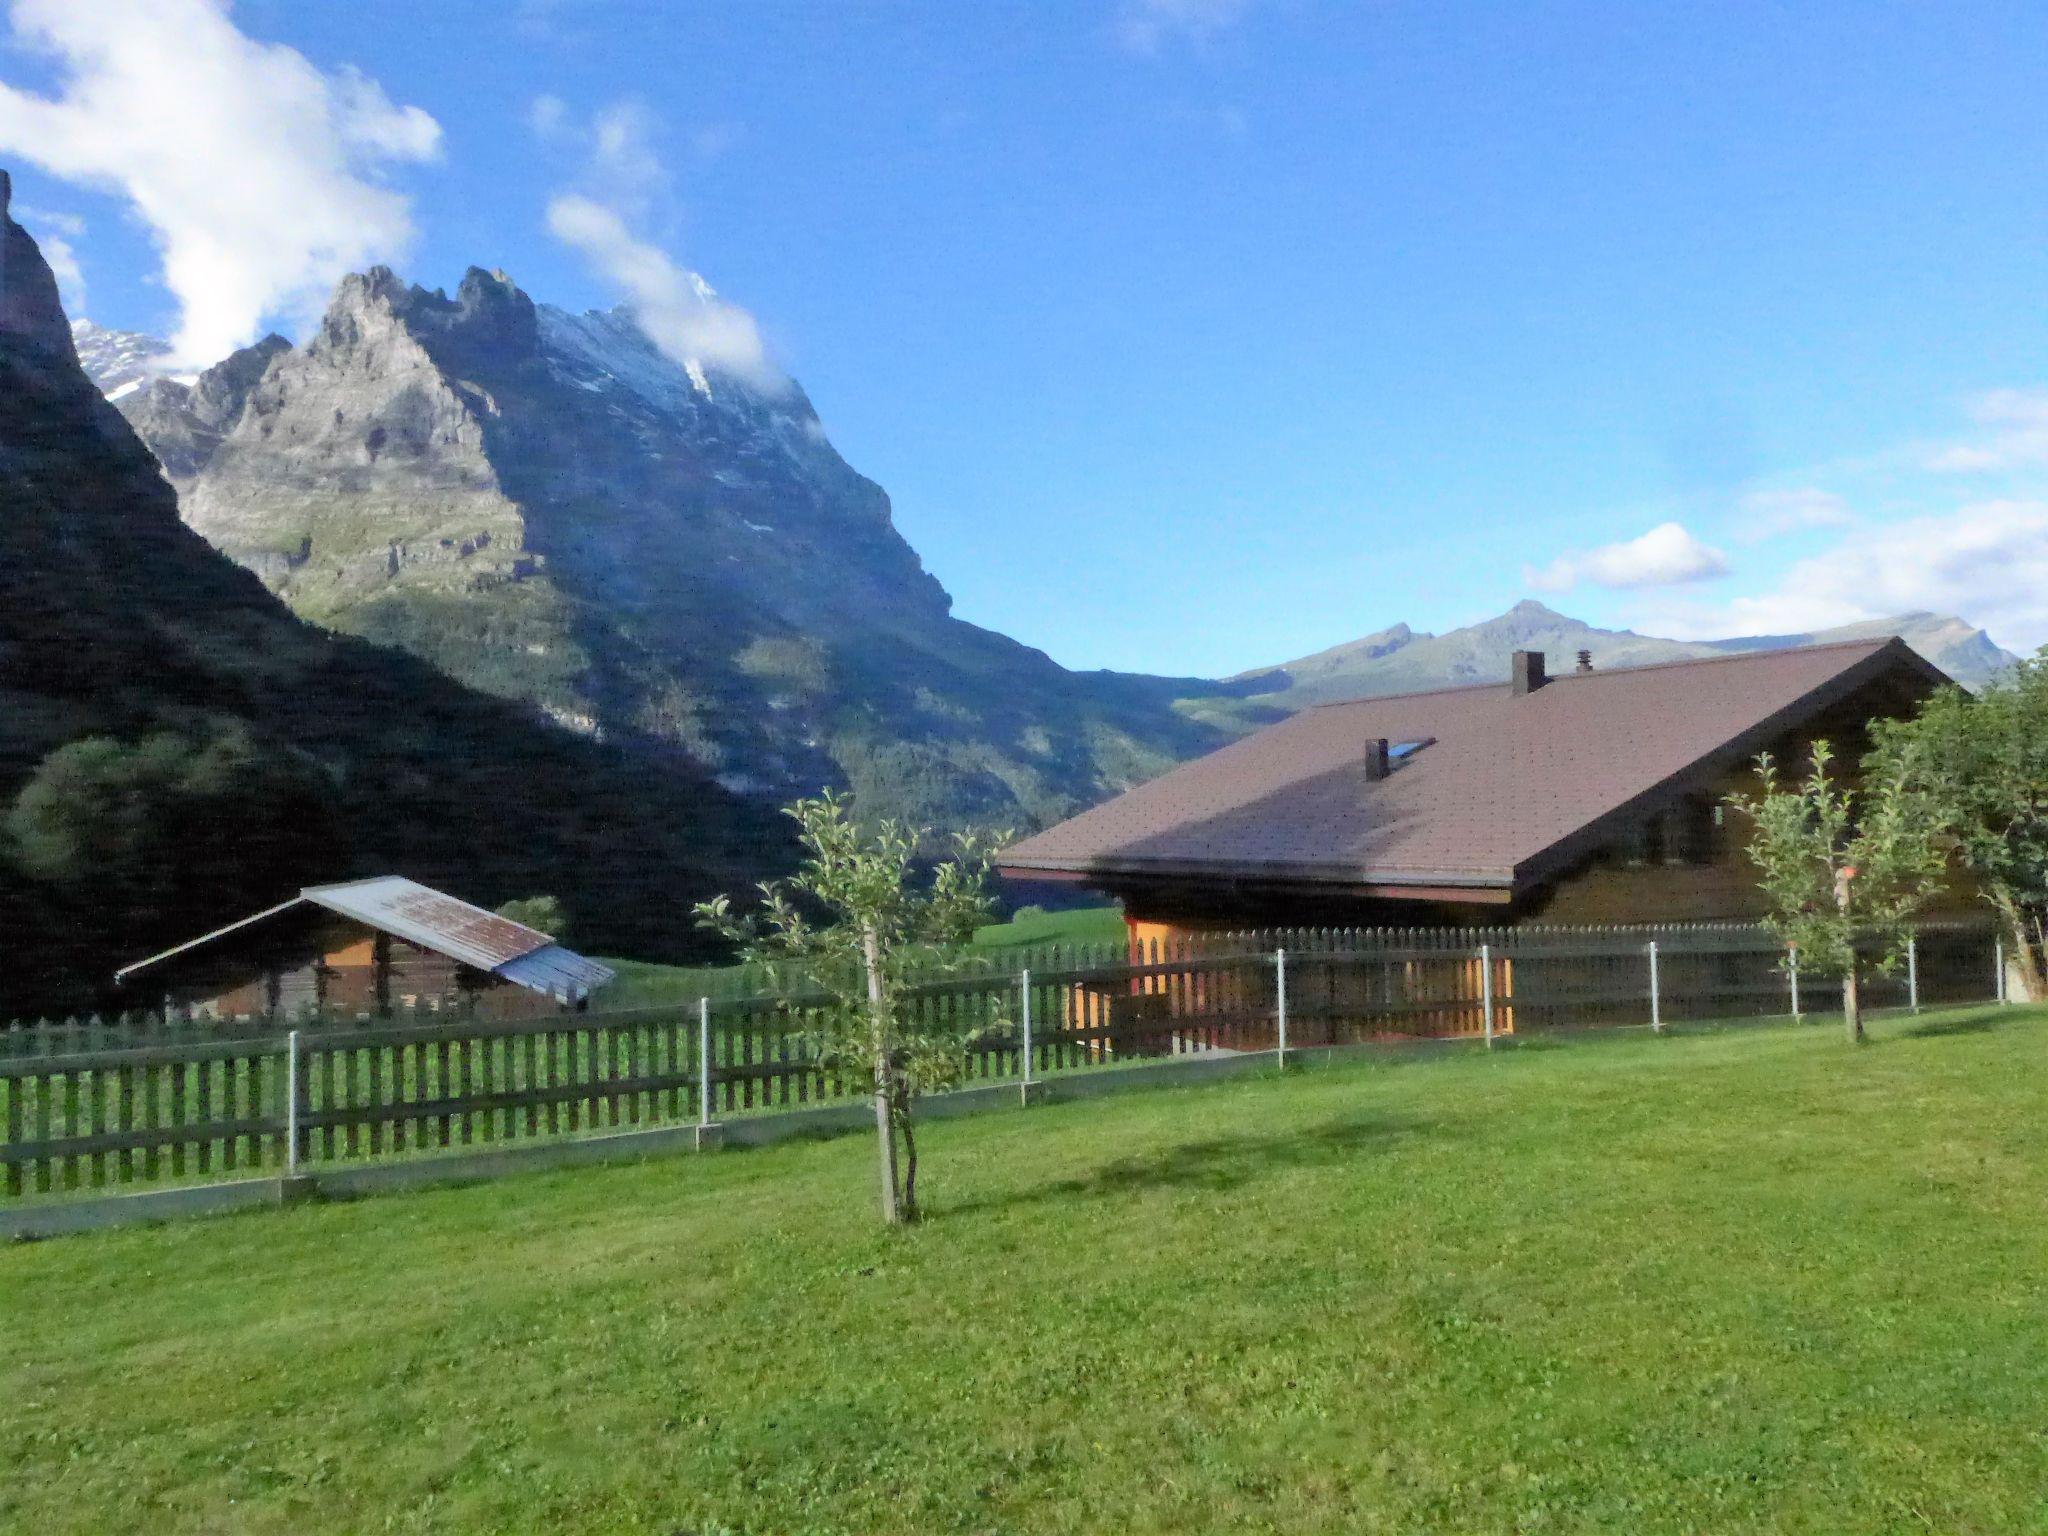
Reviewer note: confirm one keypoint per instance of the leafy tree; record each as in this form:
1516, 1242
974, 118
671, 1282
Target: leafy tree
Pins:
1984, 763
143, 840
543, 913
878, 927
1843, 866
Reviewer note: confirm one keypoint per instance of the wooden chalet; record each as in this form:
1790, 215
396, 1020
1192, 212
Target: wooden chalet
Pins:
367, 946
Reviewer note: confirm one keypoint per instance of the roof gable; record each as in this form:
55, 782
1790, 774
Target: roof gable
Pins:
1511, 785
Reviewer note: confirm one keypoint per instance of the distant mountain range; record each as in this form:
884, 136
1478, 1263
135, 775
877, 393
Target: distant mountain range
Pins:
1401, 659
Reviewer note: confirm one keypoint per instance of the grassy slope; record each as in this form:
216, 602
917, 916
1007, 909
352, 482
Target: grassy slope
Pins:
1745, 1281
642, 982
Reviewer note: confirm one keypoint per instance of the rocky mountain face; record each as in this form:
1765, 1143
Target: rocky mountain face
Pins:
177, 749
545, 506
1401, 660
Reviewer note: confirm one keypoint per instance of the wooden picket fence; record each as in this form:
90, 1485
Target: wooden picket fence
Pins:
93, 1104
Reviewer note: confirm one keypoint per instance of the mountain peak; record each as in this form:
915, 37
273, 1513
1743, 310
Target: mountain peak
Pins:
31, 314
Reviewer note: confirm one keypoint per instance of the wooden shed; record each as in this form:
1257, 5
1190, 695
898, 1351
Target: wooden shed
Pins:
367, 946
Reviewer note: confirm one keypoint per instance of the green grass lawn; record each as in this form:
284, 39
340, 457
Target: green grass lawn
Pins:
1754, 1280
642, 982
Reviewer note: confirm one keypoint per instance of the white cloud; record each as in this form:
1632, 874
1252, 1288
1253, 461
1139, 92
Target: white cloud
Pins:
2014, 434
549, 115
675, 307
1665, 556
1145, 26
1765, 515
1987, 562
255, 170
621, 182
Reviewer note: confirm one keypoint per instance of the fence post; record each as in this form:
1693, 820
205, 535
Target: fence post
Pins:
1792, 969
1913, 971
704, 1063
1998, 959
1280, 984
1656, 1000
1486, 989
291, 1105
1024, 983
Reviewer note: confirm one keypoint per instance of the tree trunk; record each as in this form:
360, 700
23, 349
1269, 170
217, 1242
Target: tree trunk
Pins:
1852, 1006
2023, 948
885, 1119
910, 1210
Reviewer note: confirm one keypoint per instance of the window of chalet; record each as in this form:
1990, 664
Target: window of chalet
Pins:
1680, 834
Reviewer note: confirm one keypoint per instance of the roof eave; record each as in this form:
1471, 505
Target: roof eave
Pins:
1321, 876
121, 976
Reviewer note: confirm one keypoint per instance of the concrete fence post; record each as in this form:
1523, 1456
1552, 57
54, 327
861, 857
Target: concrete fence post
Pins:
1656, 998
291, 1105
1913, 972
1024, 986
1486, 989
1280, 998
704, 1061
1792, 970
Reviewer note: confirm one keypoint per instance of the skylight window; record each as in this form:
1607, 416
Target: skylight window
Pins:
1402, 750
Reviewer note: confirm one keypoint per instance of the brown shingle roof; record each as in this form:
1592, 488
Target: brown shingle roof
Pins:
1509, 784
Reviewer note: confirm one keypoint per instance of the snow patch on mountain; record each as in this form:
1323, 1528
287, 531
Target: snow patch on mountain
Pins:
118, 362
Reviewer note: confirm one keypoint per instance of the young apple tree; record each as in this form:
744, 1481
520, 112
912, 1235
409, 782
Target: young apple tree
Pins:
1984, 763
1843, 867
878, 926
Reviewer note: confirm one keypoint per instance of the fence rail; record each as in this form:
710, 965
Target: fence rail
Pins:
138, 1102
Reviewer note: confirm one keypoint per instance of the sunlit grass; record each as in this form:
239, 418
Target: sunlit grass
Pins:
1746, 1280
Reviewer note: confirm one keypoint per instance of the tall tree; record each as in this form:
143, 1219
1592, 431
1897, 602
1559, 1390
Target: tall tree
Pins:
879, 928
1844, 867
1984, 763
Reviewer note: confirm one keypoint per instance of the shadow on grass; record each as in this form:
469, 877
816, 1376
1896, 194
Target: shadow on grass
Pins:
1218, 1164
1974, 1022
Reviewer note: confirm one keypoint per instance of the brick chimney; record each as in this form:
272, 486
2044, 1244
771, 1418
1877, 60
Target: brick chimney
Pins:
1525, 672
1376, 758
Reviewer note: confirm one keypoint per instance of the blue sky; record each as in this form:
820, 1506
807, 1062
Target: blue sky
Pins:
1189, 335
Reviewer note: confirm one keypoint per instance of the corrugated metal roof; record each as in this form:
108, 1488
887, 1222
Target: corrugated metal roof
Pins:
430, 918
560, 973
1510, 783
